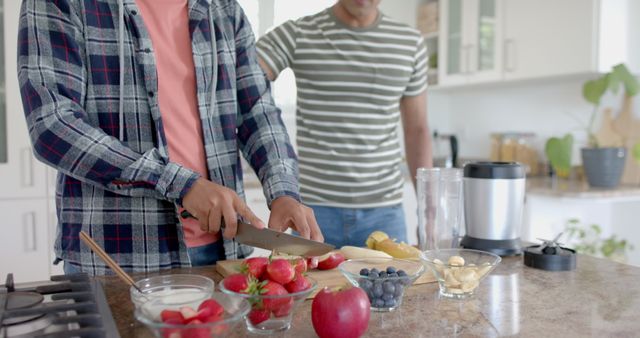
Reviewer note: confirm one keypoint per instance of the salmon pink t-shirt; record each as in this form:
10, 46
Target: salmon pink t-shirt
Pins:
168, 24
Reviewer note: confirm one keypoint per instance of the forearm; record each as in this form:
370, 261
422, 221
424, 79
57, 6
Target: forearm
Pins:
417, 138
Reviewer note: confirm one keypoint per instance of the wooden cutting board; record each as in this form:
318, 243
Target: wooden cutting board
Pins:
325, 278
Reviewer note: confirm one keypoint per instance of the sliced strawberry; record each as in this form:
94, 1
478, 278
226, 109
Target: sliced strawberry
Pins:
212, 306
330, 261
196, 332
312, 263
175, 317
188, 314
254, 266
299, 265
257, 316
298, 284
280, 270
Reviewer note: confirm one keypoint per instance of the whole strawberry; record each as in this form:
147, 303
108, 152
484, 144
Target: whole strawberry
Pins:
281, 271
254, 266
238, 282
298, 284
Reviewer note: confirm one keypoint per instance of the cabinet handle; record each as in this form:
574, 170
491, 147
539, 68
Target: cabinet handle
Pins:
26, 163
29, 231
510, 55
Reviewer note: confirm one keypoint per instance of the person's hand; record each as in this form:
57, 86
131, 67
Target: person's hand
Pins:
286, 212
211, 203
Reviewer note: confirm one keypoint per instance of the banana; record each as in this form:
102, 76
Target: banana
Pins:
398, 250
353, 252
374, 238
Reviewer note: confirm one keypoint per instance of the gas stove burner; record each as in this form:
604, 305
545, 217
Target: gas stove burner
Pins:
22, 300
65, 306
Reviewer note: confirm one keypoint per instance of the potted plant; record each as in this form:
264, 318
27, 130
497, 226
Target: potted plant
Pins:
603, 165
589, 240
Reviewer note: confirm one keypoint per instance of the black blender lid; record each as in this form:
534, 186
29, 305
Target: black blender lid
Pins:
499, 170
550, 258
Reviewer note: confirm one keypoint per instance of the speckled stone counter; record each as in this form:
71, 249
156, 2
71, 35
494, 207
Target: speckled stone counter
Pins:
599, 299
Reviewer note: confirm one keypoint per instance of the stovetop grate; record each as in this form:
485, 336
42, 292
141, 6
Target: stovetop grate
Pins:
77, 302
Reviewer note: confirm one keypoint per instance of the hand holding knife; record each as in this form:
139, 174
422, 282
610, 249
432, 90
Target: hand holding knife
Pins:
274, 240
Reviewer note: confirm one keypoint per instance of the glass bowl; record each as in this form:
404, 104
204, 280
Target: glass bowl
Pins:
385, 290
459, 271
171, 291
276, 315
235, 309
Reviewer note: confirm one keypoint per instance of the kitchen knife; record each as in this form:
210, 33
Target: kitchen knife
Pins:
275, 240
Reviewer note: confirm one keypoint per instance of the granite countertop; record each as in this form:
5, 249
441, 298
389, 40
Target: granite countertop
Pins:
599, 299
565, 188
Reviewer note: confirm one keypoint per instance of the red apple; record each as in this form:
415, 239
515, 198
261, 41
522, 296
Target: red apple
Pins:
340, 313
330, 261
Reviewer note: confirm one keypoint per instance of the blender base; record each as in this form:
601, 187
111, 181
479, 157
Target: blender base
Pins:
506, 247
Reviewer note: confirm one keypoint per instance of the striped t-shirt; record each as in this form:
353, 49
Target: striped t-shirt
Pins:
349, 82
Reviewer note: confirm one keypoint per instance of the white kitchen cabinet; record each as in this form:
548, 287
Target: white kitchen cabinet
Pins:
24, 244
21, 175
470, 41
548, 38
502, 40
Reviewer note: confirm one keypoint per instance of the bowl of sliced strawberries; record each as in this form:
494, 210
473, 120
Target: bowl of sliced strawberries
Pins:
217, 316
273, 287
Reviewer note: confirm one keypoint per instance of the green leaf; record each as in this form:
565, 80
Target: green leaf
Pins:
614, 79
631, 83
558, 152
594, 89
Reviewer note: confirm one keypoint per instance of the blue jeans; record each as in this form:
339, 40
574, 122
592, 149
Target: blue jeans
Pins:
207, 254
70, 269
349, 226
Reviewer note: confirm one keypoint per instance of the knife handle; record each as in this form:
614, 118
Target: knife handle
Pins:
185, 214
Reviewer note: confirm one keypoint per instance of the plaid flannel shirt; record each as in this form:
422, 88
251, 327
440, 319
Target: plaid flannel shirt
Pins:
124, 193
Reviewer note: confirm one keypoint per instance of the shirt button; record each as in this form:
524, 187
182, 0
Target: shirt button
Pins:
151, 94
134, 12
147, 50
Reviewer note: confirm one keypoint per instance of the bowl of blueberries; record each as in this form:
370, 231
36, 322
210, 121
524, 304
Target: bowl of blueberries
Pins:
383, 279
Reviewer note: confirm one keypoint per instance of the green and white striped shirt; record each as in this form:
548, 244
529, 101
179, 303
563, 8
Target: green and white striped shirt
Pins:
349, 82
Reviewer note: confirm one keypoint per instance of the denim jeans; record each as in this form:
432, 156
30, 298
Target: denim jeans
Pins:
207, 254
70, 269
349, 226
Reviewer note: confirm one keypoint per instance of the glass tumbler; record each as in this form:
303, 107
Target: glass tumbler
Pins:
440, 203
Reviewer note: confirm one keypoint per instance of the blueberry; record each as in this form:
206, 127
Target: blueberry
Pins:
406, 281
374, 270
378, 302
387, 296
373, 274
398, 291
365, 284
383, 274
377, 290
364, 272
390, 303
391, 269
388, 287
401, 273
394, 274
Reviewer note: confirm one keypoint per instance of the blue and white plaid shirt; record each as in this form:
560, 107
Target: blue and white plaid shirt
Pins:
124, 192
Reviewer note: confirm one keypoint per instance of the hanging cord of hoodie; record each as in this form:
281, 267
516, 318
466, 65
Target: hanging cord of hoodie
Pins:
121, 61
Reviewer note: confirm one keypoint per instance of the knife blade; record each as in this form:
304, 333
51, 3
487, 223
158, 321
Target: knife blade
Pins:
275, 240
